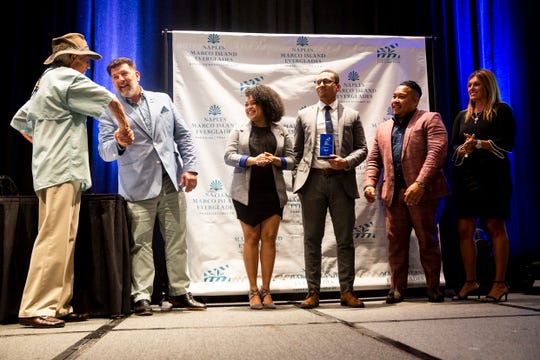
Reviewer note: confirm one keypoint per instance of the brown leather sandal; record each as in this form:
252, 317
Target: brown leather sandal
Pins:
267, 305
253, 294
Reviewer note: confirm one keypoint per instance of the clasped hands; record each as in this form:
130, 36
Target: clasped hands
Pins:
264, 159
468, 146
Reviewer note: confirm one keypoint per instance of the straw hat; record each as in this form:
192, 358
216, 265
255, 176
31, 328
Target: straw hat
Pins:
72, 43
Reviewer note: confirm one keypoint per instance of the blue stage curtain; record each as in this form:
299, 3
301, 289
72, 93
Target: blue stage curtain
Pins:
120, 29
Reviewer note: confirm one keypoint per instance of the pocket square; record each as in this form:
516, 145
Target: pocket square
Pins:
164, 110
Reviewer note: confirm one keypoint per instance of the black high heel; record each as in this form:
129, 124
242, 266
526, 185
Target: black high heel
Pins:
494, 298
473, 291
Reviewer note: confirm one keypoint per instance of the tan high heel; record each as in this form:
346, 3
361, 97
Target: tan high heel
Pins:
469, 288
495, 294
264, 293
253, 296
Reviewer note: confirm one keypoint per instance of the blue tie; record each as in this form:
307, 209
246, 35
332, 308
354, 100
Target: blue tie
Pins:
328, 120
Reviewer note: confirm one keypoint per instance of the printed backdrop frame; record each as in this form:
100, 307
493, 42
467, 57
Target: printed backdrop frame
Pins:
210, 71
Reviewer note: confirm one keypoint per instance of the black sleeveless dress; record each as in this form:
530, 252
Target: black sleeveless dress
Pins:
263, 197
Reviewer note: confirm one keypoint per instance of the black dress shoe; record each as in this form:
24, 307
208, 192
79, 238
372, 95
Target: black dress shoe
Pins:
436, 299
73, 317
42, 322
435, 295
186, 301
142, 308
394, 297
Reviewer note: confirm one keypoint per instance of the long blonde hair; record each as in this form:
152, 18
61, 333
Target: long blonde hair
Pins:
493, 94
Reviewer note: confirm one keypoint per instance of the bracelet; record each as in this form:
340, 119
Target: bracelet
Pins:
421, 184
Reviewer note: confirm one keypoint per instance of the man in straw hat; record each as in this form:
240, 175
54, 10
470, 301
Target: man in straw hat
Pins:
54, 121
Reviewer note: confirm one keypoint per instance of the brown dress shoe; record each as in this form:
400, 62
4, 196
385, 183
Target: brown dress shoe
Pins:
73, 317
42, 322
348, 298
311, 301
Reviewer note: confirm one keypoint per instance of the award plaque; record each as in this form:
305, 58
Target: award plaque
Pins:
327, 146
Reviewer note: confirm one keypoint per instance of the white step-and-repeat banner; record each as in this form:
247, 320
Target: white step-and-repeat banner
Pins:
210, 72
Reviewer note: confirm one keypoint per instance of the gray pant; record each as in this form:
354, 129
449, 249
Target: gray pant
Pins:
322, 193
170, 208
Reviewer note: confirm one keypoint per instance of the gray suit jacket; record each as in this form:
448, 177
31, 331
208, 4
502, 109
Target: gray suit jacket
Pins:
351, 145
237, 151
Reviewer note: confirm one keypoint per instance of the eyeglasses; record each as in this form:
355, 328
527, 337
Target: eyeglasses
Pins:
323, 81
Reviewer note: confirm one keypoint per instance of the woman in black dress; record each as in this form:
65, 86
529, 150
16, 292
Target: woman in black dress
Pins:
260, 150
482, 135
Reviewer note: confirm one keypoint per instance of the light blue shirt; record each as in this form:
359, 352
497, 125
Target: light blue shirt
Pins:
55, 117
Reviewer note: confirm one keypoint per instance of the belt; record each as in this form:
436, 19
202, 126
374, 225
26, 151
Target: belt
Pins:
326, 172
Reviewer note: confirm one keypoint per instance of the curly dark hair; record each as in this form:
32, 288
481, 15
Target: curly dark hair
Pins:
269, 101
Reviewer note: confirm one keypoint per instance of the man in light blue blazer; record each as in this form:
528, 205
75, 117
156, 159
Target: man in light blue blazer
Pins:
152, 176
328, 184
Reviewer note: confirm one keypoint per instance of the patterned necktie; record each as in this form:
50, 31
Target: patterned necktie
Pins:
145, 114
328, 120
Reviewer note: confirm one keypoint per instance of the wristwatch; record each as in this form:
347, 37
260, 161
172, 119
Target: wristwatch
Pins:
478, 144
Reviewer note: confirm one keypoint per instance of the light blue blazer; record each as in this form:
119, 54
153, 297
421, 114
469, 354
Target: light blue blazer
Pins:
166, 150
237, 152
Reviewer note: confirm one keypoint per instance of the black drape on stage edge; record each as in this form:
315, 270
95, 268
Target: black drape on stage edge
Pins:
18, 221
466, 35
102, 258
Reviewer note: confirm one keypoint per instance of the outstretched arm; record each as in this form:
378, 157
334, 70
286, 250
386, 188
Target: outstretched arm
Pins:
124, 135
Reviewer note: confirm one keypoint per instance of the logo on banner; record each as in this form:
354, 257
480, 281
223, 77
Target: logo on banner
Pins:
388, 54
355, 91
214, 110
214, 38
215, 201
364, 231
216, 275
213, 53
302, 53
293, 202
212, 126
302, 41
246, 84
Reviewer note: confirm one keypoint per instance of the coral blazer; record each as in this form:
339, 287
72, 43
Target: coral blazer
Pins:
425, 147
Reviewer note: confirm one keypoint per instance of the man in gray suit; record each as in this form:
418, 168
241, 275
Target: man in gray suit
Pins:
152, 176
328, 183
